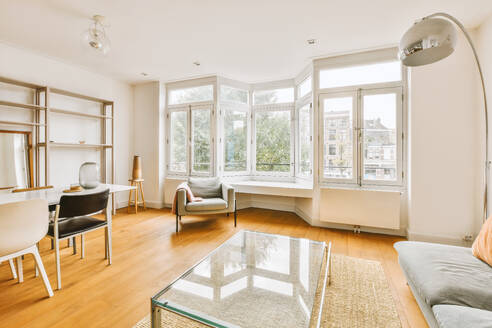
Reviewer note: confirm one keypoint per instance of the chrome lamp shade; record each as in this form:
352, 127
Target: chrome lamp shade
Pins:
427, 41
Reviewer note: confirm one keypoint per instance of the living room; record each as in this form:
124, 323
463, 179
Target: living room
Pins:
292, 164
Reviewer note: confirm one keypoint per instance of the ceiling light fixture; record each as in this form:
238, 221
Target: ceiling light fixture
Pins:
196, 63
311, 41
95, 37
144, 74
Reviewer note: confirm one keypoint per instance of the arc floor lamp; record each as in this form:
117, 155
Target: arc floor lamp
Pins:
431, 39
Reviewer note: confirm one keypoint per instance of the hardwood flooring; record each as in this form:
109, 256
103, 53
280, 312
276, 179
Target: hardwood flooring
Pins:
147, 255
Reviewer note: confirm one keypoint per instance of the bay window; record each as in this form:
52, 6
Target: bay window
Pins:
178, 141
273, 141
235, 139
304, 167
190, 131
361, 124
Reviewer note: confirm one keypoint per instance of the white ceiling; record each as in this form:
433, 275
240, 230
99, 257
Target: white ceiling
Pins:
248, 40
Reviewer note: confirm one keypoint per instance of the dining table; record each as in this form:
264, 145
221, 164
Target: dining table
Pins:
53, 195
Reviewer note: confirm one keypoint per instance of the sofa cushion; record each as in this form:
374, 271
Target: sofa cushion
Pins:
445, 274
207, 204
455, 316
205, 187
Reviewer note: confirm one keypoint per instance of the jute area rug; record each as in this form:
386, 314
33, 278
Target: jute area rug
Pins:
358, 297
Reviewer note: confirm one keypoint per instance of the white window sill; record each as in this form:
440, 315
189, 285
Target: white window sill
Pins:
378, 188
275, 188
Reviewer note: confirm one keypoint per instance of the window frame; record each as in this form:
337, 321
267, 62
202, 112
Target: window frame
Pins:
235, 107
306, 102
357, 93
290, 107
189, 108
398, 91
321, 144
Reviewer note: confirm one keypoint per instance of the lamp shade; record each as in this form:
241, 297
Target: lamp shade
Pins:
427, 41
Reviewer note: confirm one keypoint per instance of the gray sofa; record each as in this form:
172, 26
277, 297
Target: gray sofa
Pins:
218, 198
452, 287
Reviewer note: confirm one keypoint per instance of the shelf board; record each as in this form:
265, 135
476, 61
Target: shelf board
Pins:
20, 105
20, 83
22, 123
80, 96
74, 145
71, 112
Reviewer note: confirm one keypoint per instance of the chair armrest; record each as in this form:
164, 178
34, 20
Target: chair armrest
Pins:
181, 201
229, 195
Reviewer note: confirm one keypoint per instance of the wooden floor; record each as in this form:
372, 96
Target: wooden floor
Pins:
147, 255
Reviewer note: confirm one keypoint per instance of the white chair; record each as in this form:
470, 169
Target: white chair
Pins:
22, 226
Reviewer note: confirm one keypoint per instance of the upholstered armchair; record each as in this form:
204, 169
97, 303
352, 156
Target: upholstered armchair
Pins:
217, 197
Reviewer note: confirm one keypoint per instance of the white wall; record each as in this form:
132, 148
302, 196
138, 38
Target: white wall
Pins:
444, 128
27, 66
484, 48
149, 139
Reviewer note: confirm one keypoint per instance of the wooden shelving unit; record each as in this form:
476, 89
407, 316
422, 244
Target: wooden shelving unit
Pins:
42, 123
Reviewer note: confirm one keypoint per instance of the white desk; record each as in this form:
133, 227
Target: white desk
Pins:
53, 196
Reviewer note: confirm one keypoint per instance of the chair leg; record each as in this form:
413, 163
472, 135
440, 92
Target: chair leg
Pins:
129, 198
52, 244
74, 245
82, 248
57, 259
227, 214
108, 231
235, 214
106, 242
177, 222
40, 267
36, 271
13, 269
142, 192
136, 200
20, 272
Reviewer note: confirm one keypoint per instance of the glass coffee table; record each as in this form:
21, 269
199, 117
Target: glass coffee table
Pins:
252, 280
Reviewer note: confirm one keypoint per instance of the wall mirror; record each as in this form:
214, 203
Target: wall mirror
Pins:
16, 167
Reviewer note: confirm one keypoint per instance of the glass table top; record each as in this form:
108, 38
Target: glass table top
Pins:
252, 280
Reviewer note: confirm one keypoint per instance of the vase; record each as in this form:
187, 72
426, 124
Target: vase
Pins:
89, 175
137, 168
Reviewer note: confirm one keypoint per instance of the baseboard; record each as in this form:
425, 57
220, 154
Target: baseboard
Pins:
440, 239
266, 205
149, 204
303, 215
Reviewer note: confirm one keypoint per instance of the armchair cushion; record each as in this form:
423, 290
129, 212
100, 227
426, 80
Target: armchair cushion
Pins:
207, 204
205, 187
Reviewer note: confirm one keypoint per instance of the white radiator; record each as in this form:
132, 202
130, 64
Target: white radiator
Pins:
380, 209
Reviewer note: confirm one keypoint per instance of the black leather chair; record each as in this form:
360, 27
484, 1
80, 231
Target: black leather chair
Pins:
72, 219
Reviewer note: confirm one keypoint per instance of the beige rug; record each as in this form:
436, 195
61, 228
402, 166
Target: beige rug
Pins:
359, 296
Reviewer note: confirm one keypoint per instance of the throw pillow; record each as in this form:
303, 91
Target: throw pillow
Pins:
482, 246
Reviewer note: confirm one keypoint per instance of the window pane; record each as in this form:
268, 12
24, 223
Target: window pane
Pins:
201, 93
200, 127
380, 153
338, 158
235, 140
233, 94
364, 74
177, 144
277, 96
305, 143
305, 87
273, 141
